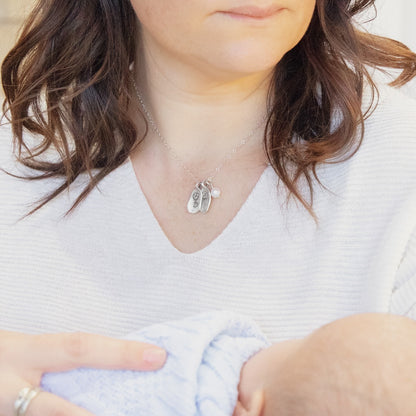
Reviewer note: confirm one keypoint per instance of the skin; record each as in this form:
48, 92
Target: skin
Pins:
260, 371
360, 364
205, 76
25, 358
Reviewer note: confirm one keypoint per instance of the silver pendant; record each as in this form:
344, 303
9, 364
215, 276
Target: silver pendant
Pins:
195, 200
205, 198
201, 197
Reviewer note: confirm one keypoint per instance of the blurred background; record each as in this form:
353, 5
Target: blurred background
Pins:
396, 19
11, 16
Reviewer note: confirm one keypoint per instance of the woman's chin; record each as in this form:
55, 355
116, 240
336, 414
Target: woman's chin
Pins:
236, 65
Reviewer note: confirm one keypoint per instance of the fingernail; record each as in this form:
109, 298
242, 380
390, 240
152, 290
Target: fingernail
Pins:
154, 356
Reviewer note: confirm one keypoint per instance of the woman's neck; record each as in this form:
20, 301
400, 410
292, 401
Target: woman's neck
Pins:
201, 115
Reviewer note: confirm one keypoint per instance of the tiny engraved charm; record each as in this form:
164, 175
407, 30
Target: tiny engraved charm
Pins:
205, 198
203, 192
201, 197
194, 202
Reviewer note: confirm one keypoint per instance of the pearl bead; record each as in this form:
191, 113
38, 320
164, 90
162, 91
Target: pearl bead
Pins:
215, 193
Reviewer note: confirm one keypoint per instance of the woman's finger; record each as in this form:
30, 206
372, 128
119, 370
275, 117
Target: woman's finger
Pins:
44, 404
58, 352
47, 404
67, 351
25, 358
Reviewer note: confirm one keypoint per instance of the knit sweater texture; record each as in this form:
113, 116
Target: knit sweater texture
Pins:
108, 268
200, 377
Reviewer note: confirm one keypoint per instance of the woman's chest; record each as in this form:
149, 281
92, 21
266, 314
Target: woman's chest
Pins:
190, 216
109, 268
116, 277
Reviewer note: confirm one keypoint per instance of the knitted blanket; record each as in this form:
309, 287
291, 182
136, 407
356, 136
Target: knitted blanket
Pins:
200, 378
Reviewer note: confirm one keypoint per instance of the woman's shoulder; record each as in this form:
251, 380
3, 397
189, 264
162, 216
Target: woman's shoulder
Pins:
9, 161
394, 111
384, 164
11, 192
6, 143
390, 128
17, 192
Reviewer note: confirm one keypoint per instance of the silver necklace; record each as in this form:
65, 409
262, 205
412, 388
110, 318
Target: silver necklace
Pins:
204, 191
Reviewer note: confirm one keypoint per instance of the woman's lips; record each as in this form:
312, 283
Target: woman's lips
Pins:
253, 12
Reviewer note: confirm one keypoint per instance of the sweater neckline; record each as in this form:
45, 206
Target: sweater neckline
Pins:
162, 239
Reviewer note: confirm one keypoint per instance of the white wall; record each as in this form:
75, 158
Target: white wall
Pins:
395, 19
11, 15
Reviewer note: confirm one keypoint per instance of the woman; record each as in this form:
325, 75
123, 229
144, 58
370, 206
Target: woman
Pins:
207, 155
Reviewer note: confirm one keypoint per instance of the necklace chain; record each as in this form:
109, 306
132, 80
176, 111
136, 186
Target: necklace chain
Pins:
204, 191
228, 156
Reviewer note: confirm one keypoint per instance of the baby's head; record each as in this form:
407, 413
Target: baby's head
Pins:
332, 371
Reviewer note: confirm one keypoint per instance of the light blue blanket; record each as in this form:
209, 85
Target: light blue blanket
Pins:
205, 355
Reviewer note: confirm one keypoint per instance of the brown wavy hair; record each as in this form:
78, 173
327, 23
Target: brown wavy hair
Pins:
68, 80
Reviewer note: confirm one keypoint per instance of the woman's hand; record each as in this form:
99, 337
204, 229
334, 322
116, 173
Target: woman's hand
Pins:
25, 358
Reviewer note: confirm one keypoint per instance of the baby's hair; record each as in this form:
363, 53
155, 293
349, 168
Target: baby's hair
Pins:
347, 368
312, 396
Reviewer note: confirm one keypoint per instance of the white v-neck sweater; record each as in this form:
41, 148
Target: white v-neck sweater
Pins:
109, 268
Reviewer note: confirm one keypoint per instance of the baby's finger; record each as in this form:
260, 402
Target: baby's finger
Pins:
61, 352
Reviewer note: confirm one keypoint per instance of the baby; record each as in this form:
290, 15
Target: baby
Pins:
331, 372
220, 364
